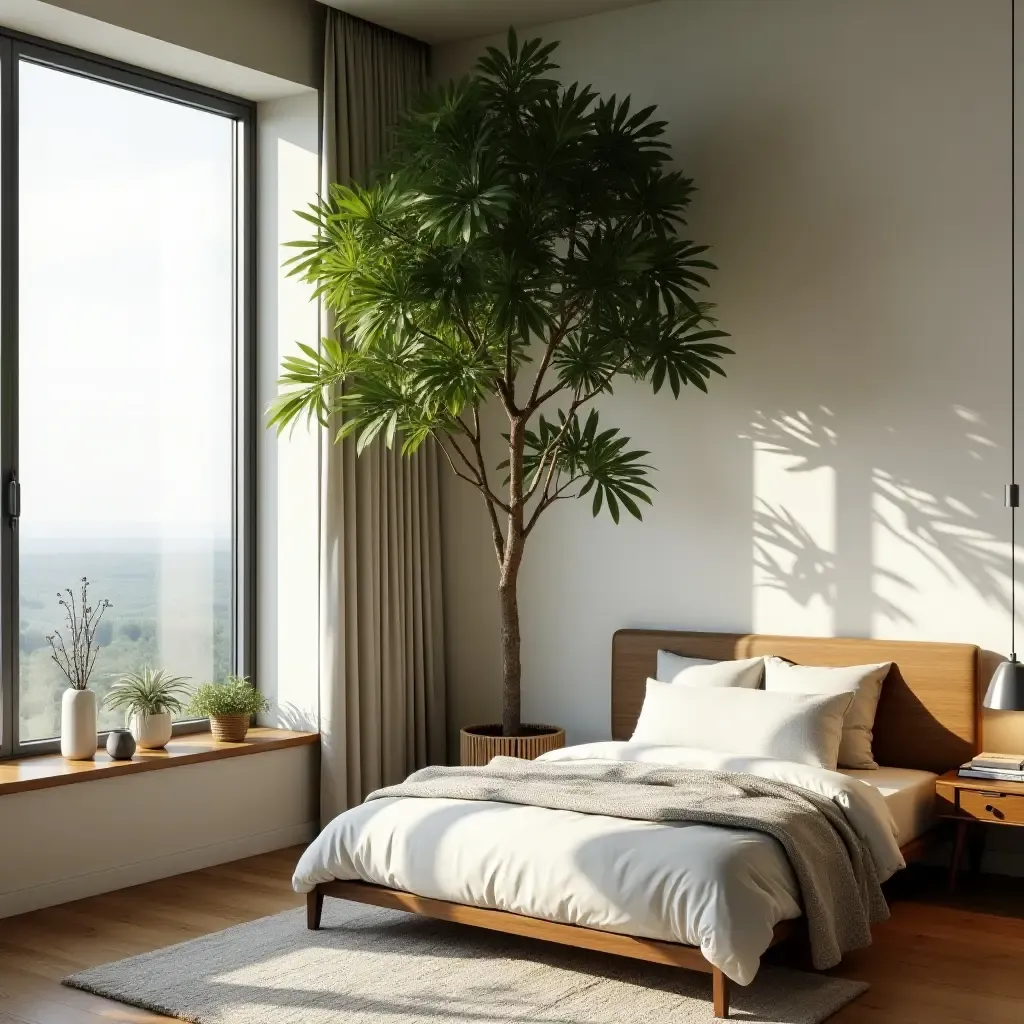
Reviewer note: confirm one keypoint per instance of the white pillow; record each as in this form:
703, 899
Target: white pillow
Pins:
805, 728
863, 681
674, 668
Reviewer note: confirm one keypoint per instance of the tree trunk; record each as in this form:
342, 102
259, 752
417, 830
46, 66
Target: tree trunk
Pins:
515, 539
511, 666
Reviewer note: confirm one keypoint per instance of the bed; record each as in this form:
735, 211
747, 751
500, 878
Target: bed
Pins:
600, 883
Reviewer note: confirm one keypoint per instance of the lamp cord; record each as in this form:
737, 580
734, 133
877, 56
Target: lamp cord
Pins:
1013, 328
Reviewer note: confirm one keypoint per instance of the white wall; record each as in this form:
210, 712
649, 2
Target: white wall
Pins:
283, 38
191, 39
853, 166
287, 639
75, 841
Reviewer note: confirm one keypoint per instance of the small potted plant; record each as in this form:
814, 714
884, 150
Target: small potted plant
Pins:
149, 700
78, 733
229, 706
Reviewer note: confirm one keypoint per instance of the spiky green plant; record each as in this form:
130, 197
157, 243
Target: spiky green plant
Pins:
235, 696
148, 693
521, 247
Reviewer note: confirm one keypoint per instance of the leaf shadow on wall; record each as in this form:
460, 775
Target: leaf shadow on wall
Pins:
791, 560
914, 515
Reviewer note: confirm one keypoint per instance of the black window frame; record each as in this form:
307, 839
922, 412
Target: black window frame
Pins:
16, 47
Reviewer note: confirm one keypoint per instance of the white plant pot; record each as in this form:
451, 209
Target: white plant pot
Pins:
151, 732
78, 737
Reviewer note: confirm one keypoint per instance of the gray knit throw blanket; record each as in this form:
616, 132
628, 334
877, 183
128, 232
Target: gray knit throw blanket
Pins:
833, 867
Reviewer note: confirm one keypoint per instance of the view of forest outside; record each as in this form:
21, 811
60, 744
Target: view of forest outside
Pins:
150, 589
125, 381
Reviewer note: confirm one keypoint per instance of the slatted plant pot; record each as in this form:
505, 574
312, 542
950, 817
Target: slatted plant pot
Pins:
479, 743
229, 728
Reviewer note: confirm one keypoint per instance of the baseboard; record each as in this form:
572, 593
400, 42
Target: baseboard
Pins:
79, 887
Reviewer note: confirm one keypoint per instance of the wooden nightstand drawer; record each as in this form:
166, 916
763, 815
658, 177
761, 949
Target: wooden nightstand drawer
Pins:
974, 802
993, 806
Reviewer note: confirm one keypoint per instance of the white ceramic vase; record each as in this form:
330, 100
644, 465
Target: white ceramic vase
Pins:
78, 737
151, 732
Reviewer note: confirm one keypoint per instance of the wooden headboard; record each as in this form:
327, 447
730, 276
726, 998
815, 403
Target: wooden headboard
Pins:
928, 716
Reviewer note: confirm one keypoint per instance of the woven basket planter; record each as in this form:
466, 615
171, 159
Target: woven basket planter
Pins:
479, 743
229, 728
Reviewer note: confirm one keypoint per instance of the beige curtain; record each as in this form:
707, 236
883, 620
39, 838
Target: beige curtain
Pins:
382, 698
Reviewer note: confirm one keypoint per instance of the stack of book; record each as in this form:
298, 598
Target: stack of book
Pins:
998, 767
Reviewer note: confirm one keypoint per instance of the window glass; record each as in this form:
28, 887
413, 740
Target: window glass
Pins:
126, 341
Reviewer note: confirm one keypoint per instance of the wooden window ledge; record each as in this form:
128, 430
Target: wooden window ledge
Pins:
44, 771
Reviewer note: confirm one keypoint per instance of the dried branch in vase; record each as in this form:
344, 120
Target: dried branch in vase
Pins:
83, 620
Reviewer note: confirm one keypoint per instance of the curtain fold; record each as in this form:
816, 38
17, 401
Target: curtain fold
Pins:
382, 683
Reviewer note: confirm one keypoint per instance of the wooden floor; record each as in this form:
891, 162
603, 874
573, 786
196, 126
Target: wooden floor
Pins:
939, 960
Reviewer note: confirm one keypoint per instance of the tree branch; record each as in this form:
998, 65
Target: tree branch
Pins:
481, 462
551, 450
490, 500
413, 243
479, 479
556, 336
462, 455
496, 534
474, 480
550, 393
554, 340
507, 384
479, 343
422, 330
547, 500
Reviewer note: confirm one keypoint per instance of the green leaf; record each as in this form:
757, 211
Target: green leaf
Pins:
677, 349
597, 459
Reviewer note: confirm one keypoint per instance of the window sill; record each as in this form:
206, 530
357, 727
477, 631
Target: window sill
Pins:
44, 771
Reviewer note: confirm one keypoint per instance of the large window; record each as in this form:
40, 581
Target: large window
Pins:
126, 414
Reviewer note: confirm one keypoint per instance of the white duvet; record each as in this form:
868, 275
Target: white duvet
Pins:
718, 888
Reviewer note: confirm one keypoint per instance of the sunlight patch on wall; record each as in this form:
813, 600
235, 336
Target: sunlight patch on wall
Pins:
288, 472
794, 532
933, 558
942, 557
298, 462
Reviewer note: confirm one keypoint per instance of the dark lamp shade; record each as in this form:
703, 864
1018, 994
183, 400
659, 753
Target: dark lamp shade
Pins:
1006, 691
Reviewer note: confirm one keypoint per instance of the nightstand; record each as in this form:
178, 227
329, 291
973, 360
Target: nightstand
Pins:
978, 802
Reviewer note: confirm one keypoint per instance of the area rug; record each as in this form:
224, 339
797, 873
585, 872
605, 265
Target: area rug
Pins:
373, 966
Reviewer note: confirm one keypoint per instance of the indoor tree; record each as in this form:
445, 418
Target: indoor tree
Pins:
521, 246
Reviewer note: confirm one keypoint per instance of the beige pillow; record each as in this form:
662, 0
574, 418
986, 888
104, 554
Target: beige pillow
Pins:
805, 728
674, 668
863, 681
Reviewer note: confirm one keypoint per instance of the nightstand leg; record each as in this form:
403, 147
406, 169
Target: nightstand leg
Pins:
976, 849
958, 852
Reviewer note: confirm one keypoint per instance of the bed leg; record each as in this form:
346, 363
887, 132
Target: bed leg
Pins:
314, 908
720, 988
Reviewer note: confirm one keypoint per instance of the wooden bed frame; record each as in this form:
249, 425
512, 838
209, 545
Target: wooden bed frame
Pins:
928, 718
